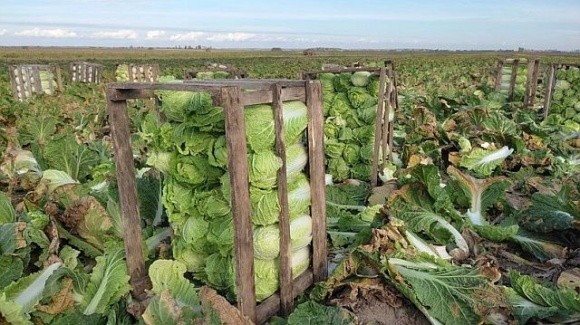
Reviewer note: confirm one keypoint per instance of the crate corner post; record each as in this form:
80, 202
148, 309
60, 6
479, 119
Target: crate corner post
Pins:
132, 237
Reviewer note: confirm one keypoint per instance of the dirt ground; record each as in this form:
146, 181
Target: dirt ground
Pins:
375, 302
378, 312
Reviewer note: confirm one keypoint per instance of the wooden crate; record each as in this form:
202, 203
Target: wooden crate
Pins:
551, 83
504, 67
86, 72
388, 101
26, 80
233, 96
142, 72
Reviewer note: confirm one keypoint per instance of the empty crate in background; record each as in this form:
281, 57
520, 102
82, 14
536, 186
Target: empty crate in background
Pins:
28, 80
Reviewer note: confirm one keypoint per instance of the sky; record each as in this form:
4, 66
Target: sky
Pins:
363, 24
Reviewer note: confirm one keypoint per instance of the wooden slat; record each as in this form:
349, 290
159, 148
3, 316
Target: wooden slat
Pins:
124, 94
317, 184
270, 306
534, 89
386, 127
528, 85
35, 80
51, 83
58, 78
13, 77
515, 66
378, 127
286, 299
549, 89
498, 75
395, 105
240, 199
121, 135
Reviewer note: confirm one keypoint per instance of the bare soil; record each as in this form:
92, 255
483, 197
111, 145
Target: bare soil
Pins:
375, 312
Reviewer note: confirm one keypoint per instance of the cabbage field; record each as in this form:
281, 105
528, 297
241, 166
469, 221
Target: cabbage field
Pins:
476, 217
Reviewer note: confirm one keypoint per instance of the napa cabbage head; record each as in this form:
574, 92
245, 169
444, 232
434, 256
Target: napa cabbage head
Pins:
267, 238
259, 120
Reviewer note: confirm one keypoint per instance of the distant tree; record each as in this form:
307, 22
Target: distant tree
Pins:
276, 49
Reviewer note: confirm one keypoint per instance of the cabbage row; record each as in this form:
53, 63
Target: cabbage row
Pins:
565, 106
190, 149
350, 106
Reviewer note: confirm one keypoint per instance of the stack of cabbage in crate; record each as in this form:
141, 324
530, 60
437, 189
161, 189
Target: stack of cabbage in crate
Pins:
190, 149
564, 110
350, 111
520, 82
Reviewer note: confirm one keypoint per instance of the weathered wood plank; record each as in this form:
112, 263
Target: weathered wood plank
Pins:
378, 127
286, 300
124, 94
14, 76
316, 172
549, 89
35, 83
498, 75
386, 127
240, 199
121, 135
515, 67
534, 90
395, 106
58, 79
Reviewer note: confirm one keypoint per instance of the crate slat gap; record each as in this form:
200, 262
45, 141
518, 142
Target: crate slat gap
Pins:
26, 82
232, 99
552, 83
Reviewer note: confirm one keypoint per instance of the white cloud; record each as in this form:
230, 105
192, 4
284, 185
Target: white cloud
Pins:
120, 34
3, 32
155, 34
191, 36
221, 37
48, 33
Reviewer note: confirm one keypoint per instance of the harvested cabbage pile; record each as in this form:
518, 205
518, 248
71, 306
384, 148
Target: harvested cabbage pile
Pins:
350, 106
190, 149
